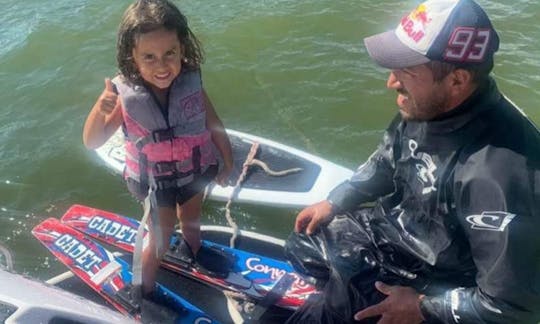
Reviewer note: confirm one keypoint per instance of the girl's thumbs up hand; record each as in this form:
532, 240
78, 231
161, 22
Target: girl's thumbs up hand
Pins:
109, 99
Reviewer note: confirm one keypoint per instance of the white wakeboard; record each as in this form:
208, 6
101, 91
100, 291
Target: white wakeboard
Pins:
299, 189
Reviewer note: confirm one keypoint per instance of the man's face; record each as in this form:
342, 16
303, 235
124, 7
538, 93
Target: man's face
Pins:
419, 97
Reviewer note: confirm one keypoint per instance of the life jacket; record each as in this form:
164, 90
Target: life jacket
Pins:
160, 152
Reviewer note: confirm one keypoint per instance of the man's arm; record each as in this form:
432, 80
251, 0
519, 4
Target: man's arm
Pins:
372, 179
497, 203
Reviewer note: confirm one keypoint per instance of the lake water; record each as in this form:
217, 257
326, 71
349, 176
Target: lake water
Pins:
292, 71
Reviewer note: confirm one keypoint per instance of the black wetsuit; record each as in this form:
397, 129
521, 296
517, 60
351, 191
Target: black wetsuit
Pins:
459, 198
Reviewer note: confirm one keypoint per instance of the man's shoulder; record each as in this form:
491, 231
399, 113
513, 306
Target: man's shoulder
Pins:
503, 137
509, 144
509, 128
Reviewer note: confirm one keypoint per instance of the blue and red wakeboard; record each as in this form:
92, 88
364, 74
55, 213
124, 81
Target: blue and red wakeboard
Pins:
110, 276
253, 275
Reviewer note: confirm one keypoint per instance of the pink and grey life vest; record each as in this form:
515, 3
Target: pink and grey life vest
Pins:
166, 153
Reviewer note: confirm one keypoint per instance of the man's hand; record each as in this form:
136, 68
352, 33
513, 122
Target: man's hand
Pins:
313, 216
401, 306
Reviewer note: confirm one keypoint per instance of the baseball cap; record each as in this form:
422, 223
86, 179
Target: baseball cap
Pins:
453, 31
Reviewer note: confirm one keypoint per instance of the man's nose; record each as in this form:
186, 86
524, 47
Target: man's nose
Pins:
393, 82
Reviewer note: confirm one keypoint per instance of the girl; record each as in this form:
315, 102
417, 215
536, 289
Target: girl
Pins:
170, 127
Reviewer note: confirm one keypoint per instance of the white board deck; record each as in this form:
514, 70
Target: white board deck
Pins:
296, 190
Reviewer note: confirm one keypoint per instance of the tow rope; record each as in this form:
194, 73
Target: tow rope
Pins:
250, 161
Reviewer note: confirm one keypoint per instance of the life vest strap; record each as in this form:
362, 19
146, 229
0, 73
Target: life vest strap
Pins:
196, 159
143, 179
162, 135
170, 166
175, 181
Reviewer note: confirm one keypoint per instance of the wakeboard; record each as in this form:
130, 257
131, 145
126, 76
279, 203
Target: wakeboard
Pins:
254, 276
311, 184
110, 276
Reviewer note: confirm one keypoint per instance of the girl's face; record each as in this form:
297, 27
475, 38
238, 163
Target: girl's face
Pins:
158, 57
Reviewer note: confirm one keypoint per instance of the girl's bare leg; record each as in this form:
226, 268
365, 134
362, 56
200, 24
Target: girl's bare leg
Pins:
189, 215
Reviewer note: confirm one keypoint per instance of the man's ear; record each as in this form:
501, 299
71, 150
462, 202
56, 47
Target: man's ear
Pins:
461, 81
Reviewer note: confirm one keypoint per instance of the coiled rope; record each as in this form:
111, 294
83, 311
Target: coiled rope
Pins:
250, 160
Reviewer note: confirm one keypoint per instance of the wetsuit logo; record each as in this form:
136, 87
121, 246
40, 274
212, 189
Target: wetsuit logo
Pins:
490, 221
425, 168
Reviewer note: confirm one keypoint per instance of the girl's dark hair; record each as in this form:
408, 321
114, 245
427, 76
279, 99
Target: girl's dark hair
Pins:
145, 16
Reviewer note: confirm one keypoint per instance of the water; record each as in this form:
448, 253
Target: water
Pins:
292, 71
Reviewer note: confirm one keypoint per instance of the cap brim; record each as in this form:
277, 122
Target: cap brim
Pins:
389, 52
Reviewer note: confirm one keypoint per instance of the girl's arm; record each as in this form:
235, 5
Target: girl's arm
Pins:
104, 118
220, 139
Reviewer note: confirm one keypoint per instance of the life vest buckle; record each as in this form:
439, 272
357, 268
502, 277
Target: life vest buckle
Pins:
176, 180
173, 167
163, 135
164, 167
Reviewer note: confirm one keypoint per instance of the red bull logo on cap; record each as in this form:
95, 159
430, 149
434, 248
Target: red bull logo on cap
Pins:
415, 23
420, 15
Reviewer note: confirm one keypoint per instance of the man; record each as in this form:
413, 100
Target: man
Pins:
451, 233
